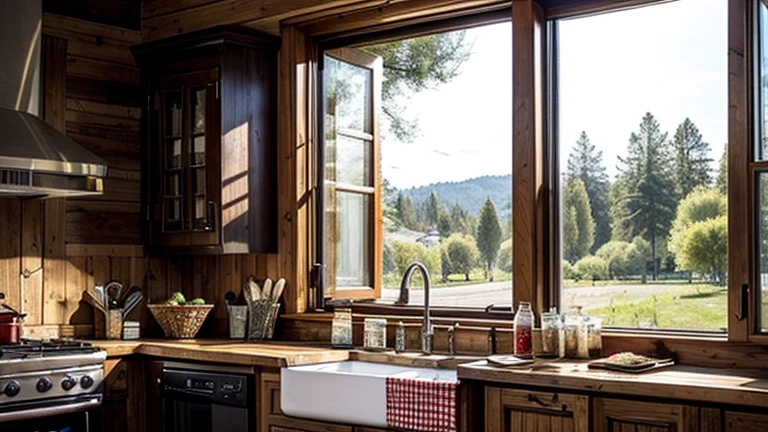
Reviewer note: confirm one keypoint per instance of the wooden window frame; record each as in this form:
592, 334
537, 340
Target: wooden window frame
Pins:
355, 57
534, 164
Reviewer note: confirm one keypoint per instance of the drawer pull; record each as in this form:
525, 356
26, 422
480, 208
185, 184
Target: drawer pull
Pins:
552, 405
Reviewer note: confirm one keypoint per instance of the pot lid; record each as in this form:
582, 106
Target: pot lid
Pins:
5, 309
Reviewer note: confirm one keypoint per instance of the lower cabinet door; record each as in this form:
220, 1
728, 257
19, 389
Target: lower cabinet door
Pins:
744, 422
617, 415
510, 410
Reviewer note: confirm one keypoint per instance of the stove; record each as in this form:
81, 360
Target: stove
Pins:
46, 378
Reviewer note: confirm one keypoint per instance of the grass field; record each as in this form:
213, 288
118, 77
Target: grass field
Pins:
693, 307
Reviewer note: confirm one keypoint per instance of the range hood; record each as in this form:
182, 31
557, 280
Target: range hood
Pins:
38, 161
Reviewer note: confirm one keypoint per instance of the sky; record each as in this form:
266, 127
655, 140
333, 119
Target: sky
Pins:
668, 59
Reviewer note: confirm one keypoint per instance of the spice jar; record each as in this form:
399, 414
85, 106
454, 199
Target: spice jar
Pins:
524, 330
551, 334
594, 337
576, 340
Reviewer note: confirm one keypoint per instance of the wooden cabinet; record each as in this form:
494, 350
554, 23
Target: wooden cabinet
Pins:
209, 177
509, 410
745, 422
122, 408
618, 415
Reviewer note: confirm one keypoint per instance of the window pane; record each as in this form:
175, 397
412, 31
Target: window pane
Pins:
346, 232
761, 152
446, 154
348, 160
762, 244
172, 103
643, 125
348, 95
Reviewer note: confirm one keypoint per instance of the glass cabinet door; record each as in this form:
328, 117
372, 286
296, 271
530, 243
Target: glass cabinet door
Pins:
186, 204
172, 164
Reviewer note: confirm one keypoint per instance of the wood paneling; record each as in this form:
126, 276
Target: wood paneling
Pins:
743, 422
118, 13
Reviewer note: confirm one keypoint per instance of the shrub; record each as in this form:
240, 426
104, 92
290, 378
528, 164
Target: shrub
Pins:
592, 267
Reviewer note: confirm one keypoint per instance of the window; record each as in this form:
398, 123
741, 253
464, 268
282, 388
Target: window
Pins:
642, 130
760, 170
438, 167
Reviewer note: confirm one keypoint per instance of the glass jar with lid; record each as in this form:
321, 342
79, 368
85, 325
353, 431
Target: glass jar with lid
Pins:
524, 319
576, 337
551, 334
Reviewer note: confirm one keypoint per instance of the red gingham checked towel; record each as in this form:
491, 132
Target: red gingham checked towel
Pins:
428, 406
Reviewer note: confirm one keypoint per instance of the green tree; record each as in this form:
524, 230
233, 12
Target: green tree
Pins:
650, 199
461, 220
700, 205
691, 168
462, 254
407, 252
488, 236
413, 65
592, 268
624, 258
705, 248
431, 210
576, 207
722, 172
504, 262
405, 212
444, 224
620, 226
586, 163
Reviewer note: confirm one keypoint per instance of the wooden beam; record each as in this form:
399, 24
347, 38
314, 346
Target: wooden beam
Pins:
528, 151
292, 136
739, 183
231, 12
392, 12
56, 23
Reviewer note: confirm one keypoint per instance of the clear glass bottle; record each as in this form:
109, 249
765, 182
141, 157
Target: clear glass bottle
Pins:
400, 338
551, 334
595, 336
524, 319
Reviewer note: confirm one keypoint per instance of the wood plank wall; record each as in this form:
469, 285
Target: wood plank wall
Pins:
91, 92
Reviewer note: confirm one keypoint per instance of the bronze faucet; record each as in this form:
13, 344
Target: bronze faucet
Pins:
427, 332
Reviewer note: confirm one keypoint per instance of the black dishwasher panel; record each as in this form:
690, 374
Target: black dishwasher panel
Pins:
200, 401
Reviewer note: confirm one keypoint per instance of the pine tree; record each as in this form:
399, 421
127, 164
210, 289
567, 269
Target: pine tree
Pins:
650, 199
576, 205
488, 236
461, 220
692, 160
405, 212
586, 163
722, 173
432, 211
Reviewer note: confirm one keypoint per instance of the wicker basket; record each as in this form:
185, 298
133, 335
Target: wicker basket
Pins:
180, 322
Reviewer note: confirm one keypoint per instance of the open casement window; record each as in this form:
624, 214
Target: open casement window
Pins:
351, 174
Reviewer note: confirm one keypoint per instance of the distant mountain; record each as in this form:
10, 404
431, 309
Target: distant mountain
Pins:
470, 194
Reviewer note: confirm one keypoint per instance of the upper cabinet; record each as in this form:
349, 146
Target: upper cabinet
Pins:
210, 142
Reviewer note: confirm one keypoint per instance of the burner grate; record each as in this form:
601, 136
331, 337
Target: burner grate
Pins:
30, 348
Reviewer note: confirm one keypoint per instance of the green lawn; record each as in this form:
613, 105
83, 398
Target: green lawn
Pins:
477, 276
694, 307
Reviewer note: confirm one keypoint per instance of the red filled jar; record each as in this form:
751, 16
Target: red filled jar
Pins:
524, 330
10, 329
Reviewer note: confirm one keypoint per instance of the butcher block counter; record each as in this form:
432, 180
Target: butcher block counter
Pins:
722, 386
265, 353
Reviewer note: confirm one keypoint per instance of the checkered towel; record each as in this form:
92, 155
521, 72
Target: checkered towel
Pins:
418, 405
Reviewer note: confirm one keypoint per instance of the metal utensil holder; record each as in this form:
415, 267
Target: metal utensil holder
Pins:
262, 316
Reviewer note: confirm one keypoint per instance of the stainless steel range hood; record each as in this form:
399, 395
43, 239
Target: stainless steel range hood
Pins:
38, 161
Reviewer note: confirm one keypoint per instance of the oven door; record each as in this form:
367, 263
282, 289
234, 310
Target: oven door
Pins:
69, 414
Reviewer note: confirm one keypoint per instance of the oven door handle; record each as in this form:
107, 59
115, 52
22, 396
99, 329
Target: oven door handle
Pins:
50, 411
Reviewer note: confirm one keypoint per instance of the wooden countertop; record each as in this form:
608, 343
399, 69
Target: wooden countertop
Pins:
265, 353
726, 386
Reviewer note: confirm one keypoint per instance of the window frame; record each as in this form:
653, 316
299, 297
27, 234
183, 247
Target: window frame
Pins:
535, 37
356, 58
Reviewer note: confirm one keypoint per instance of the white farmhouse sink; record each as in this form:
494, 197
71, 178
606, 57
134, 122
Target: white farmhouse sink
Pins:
349, 392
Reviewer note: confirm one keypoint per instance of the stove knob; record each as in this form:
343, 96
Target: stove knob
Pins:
68, 383
43, 385
12, 389
86, 382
